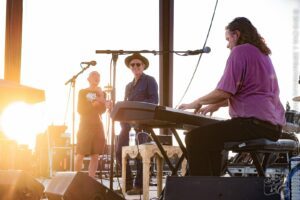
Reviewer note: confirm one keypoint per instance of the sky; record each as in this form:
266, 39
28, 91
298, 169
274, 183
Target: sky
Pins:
59, 35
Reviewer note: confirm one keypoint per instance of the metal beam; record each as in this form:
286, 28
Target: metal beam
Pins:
13, 40
166, 28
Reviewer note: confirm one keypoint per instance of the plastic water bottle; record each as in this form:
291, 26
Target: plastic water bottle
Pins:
131, 137
295, 179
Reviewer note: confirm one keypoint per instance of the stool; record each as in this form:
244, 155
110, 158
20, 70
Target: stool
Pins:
262, 146
146, 152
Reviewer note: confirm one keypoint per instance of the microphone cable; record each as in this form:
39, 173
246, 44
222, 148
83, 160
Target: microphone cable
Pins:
200, 56
67, 104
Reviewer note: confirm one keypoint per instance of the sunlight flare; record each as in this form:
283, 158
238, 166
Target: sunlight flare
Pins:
22, 122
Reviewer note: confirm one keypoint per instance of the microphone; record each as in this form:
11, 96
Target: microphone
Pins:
198, 51
93, 63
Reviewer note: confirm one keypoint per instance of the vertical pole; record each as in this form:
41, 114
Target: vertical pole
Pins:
13, 40
73, 126
296, 51
112, 147
166, 29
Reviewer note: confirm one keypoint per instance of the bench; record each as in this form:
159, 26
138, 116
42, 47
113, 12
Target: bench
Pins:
258, 147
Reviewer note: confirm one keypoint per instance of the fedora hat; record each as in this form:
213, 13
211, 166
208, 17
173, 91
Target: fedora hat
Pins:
137, 56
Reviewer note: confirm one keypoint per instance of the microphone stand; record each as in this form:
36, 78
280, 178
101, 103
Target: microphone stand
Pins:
72, 81
115, 54
181, 53
113, 98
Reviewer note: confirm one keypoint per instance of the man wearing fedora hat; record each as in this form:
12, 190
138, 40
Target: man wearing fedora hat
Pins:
142, 88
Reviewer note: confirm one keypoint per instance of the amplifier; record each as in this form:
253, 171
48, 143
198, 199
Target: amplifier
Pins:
222, 188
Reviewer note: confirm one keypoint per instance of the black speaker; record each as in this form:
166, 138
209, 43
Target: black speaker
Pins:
222, 188
18, 185
78, 186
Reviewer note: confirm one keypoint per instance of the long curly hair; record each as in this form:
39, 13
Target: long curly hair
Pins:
248, 34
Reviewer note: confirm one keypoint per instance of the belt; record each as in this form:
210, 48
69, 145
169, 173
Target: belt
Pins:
267, 124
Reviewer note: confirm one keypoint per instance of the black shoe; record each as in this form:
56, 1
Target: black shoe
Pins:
129, 185
119, 192
135, 191
152, 183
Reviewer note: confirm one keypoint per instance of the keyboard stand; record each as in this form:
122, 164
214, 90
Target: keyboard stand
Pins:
174, 169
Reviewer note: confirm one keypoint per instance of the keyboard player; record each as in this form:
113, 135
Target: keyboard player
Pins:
249, 88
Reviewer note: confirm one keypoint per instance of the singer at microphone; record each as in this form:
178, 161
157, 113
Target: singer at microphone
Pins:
93, 63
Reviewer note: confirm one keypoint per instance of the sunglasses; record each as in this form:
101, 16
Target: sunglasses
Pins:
135, 64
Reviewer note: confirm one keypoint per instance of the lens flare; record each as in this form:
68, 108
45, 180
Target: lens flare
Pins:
22, 122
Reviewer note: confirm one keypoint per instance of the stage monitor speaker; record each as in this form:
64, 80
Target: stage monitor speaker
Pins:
221, 188
18, 185
78, 186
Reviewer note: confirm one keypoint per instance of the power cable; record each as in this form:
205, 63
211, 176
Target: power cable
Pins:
200, 56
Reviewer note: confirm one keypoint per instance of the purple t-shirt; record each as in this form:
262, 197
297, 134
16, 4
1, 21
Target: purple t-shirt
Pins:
250, 77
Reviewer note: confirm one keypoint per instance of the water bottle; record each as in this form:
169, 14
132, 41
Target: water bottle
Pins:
295, 179
131, 137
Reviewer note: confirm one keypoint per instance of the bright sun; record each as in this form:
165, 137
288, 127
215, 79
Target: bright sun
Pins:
22, 122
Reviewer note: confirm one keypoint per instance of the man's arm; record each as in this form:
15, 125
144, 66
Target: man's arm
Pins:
214, 97
152, 91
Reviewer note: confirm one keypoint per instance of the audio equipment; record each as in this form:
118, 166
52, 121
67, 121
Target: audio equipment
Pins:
78, 186
18, 185
221, 188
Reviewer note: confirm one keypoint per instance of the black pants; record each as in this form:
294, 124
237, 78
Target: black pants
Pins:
205, 145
